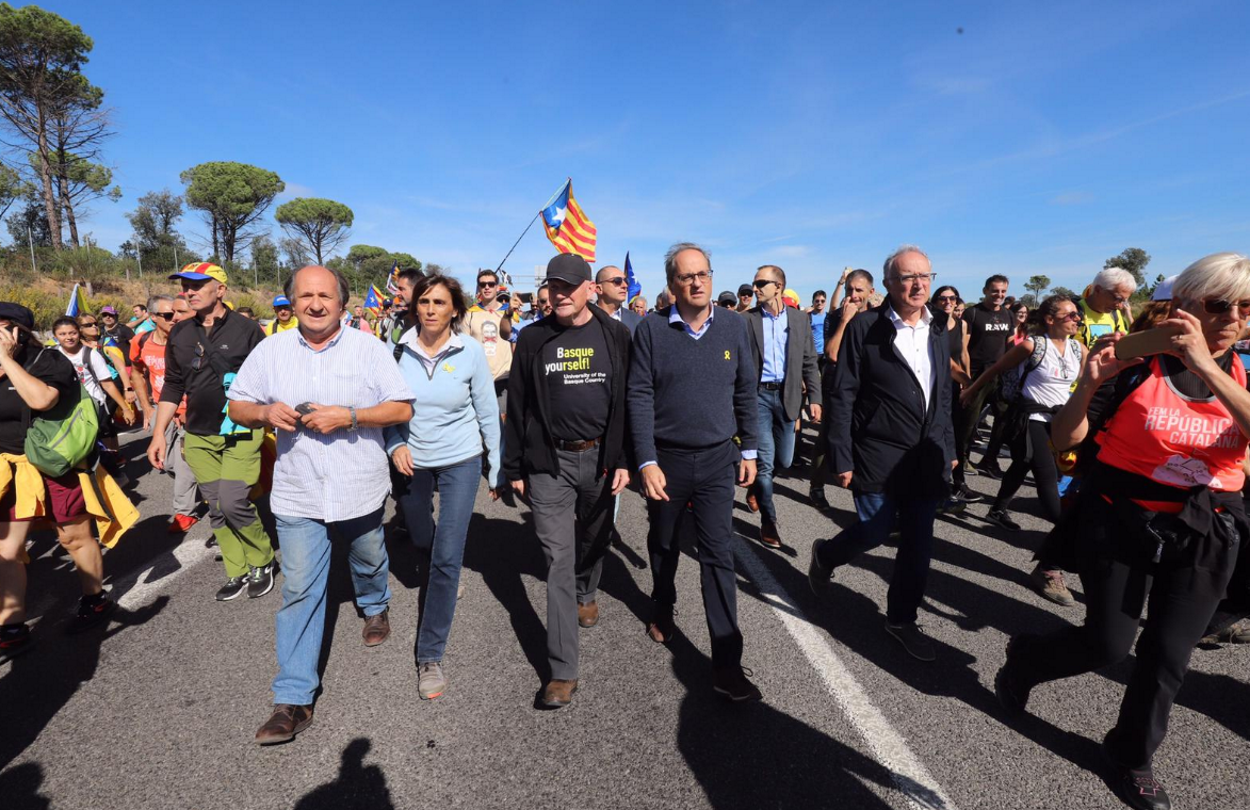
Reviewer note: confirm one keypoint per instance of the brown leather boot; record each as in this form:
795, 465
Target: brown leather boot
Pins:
588, 614
769, 535
377, 629
286, 721
558, 694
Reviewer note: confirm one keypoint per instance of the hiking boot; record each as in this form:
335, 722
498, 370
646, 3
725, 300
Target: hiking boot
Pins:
431, 682
1050, 585
1236, 633
1136, 787
558, 693
732, 682
92, 610
1001, 518
818, 575
181, 524
15, 639
913, 639
233, 588
587, 614
286, 721
818, 499
259, 581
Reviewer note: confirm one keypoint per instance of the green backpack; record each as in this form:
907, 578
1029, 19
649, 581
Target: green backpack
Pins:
60, 439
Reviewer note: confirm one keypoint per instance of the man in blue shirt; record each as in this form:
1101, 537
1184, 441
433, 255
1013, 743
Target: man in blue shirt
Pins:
817, 320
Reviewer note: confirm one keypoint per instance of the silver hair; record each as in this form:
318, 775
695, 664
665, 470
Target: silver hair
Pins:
345, 288
156, 299
890, 268
1223, 276
1113, 278
670, 258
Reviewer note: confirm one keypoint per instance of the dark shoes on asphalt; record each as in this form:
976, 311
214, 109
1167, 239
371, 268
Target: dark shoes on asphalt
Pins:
233, 589
260, 580
92, 610
377, 628
587, 614
1001, 518
818, 575
753, 503
1137, 788
913, 639
732, 683
286, 721
15, 639
965, 495
557, 694
769, 535
818, 499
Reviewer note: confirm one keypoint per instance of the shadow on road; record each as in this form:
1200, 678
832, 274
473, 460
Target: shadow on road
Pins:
357, 786
20, 788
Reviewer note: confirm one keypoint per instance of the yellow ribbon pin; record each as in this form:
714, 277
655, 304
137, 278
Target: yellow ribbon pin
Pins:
448, 367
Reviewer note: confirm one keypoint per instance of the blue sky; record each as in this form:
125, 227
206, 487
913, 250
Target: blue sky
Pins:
1043, 139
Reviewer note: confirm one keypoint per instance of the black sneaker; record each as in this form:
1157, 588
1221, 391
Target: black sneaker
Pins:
990, 469
732, 683
1012, 695
818, 575
259, 581
15, 639
914, 640
953, 506
965, 495
92, 610
999, 517
1137, 788
817, 496
233, 588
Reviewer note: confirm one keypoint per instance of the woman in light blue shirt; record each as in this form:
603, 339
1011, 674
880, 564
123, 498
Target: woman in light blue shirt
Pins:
455, 419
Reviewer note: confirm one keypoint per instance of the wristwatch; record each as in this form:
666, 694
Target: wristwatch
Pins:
352, 410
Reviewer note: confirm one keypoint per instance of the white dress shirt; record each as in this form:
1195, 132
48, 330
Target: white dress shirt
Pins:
912, 343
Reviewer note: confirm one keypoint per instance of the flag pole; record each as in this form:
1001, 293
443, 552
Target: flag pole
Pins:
567, 181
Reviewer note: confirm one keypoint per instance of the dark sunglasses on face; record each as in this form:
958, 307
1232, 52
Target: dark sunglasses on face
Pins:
488, 284
620, 281
86, 324
762, 283
1222, 307
946, 298
168, 316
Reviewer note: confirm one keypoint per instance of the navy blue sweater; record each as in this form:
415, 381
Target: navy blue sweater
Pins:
691, 393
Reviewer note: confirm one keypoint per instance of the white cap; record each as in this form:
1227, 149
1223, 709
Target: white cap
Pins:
1163, 292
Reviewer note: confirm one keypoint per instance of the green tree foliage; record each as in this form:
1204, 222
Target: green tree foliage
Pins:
232, 197
322, 225
79, 181
367, 264
266, 267
1064, 292
1036, 285
29, 221
1133, 260
294, 253
12, 188
159, 245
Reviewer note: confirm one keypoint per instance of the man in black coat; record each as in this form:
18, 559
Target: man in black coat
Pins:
892, 440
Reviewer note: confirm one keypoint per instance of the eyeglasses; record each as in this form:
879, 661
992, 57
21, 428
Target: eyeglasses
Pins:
1071, 316
109, 315
686, 279
199, 357
86, 323
925, 277
1220, 307
762, 283
945, 298
168, 316
620, 281
488, 284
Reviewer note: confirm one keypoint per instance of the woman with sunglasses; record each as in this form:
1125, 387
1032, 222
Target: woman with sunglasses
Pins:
1160, 517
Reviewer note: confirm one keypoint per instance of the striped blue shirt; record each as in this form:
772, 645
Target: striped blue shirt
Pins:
344, 474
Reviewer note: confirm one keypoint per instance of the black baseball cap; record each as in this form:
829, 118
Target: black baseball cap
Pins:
727, 298
569, 267
17, 314
746, 289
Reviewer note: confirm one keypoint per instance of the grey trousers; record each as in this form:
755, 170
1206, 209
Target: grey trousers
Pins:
185, 498
573, 521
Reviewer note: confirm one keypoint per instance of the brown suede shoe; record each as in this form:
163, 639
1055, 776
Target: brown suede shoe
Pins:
769, 535
377, 629
753, 503
588, 614
662, 627
285, 722
558, 694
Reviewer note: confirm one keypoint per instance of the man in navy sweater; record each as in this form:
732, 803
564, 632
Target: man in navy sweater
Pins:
692, 388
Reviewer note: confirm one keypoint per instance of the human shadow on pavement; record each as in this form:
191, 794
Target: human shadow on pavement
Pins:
41, 682
1224, 699
19, 788
722, 744
357, 787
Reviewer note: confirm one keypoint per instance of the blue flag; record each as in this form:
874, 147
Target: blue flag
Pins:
635, 289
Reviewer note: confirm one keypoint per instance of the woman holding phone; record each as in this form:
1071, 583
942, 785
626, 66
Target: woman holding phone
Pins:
1160, 514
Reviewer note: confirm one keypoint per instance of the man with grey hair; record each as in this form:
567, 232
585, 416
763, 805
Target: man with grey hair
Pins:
1104, 310
891, 439
327, 391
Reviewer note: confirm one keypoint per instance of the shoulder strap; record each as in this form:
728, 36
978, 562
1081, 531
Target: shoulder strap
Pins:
399, 351
143, 339
1038, 355
27, 414
86, 361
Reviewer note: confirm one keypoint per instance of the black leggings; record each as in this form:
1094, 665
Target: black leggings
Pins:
1031, 450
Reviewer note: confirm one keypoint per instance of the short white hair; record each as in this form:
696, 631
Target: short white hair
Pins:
1220, 276
891, 262
1113, 278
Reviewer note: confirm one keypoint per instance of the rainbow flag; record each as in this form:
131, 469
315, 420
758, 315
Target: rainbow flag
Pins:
77, 302
567, 225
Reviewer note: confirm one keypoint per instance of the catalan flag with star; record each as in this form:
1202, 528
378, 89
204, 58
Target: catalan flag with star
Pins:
567, 225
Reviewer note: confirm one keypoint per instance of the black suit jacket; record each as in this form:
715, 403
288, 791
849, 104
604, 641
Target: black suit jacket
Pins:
800, 358
880, 428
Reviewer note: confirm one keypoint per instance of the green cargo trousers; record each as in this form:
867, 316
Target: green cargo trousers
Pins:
227, 467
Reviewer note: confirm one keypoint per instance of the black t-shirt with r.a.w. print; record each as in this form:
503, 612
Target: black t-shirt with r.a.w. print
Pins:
988, 332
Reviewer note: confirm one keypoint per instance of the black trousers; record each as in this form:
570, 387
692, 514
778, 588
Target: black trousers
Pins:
705, 478
966, 426
1119, 579
1031, 450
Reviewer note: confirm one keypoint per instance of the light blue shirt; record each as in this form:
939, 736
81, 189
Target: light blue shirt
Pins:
340, 475
818, 330
776, 330
675, 317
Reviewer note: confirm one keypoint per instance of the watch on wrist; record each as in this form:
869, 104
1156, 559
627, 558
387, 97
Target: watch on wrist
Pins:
352, 410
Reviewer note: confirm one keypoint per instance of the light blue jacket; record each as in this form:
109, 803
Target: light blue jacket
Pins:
455, 412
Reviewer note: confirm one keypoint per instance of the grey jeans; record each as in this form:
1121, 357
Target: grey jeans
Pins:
573, 520
185, 499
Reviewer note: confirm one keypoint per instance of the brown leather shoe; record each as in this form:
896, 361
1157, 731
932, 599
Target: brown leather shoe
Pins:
752, 502
285, 722
662, 627
558, 694
377, 628
769, 535
588, 614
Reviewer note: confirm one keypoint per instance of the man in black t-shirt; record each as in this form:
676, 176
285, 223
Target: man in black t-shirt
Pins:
565, 448
989, 324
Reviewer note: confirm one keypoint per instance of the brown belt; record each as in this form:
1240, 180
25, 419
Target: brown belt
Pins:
578, 447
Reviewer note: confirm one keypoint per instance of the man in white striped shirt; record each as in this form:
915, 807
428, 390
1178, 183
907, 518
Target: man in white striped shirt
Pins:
327, 391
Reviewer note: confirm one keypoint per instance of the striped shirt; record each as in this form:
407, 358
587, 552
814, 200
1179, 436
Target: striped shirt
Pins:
344, 474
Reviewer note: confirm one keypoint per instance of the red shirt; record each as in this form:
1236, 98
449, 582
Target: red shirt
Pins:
148, 357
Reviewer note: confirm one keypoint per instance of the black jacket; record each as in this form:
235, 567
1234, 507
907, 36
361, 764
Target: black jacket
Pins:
528, 444
879, 428
225, 347
800, 358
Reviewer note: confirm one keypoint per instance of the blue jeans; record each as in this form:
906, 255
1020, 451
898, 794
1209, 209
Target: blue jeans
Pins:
443, 542
306, 568
776, 450
877, 512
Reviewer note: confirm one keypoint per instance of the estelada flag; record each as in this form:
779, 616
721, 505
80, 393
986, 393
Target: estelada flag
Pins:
567, 225
392, 281
373, 299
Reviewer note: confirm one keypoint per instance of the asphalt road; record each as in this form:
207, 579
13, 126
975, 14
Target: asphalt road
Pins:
158, 710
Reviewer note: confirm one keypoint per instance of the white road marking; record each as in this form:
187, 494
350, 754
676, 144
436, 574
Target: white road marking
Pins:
888, 746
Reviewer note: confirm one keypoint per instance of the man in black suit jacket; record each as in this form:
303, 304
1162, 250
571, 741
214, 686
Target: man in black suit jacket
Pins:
612, 287
892, 440
785, 361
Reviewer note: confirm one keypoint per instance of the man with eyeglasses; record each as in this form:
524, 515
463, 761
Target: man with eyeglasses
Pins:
612, 287
202, 356
785, 361
1102, 310
147, 357
488, 323
692, 388
892, 441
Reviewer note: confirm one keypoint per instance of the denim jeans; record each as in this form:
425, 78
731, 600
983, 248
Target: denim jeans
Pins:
776, 449
442, 542
306, 569
877, 511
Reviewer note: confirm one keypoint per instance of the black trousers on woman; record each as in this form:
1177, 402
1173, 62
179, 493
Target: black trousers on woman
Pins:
1030, 450
1119, 577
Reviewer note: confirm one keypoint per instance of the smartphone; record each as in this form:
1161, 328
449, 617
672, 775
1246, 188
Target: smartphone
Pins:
1144, 344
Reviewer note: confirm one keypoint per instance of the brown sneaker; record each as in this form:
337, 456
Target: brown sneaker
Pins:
286, 721
1051, 586
377, 628
588, 614
662, 628
557, 693
769, 535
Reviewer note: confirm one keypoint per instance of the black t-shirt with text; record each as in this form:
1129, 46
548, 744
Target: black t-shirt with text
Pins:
578, 372
988, 332
48, 366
